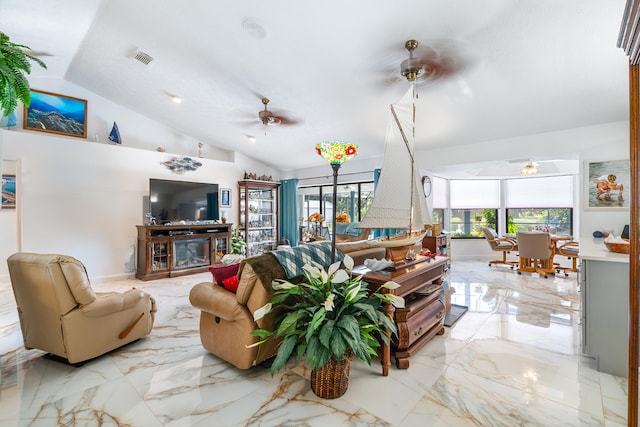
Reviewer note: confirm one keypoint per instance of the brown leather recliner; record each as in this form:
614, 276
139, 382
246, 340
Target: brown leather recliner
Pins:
62, 315
226, 320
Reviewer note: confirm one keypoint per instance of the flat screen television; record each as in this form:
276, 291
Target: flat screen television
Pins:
172, 201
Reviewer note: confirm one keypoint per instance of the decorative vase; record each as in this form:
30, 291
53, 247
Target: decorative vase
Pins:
331, 381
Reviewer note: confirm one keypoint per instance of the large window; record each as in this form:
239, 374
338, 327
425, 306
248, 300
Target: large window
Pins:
474, 205
468, 223
353, 199
541, 201
559, 220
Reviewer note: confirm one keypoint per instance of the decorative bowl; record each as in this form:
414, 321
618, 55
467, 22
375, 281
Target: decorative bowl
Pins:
619, 248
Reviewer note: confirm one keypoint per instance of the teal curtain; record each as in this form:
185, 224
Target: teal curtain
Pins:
289, 210
378, 232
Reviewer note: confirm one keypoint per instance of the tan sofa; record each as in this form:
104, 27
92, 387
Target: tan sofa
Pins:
61, 314
226, 319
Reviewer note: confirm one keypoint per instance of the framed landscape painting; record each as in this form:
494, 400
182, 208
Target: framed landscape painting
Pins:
8, 191
54, 113
607, 185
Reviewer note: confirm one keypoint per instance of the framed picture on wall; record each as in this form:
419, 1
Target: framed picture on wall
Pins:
607, 185
8, 191
54, 113
225, 198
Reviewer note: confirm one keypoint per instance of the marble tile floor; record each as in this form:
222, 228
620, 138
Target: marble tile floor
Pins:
512, 360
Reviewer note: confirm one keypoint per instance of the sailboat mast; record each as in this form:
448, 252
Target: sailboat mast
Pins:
410, 151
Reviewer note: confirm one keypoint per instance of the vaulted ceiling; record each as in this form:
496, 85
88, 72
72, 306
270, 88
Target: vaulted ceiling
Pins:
332, 68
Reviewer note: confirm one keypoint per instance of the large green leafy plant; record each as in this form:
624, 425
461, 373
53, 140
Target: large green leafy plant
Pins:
330, 315
14, 65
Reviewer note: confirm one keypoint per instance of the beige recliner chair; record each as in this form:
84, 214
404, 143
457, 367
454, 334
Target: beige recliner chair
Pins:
62, 315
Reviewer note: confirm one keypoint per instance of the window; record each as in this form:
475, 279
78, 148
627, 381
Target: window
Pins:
468, 223
540, 201
522, 219
353, 199
438, 216
474, 205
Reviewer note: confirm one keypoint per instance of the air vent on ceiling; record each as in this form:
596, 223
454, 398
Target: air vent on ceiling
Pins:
144, 58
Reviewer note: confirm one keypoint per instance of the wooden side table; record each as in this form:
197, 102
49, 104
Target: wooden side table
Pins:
422, 318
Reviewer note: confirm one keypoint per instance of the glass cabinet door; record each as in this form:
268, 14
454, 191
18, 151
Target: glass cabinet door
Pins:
259, 215
220, 244
159, 255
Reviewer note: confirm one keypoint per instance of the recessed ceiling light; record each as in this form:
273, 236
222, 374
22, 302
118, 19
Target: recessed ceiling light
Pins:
176, 99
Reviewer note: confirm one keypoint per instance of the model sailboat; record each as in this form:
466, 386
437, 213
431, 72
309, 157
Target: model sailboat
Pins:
399, 202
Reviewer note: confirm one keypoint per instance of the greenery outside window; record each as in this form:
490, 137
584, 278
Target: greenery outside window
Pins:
522, 219
468, 223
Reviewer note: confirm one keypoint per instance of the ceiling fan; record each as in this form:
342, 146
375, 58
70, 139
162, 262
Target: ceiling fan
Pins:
268, 118
429, 63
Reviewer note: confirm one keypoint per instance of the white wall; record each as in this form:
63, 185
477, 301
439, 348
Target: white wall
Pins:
137, 131
84, 198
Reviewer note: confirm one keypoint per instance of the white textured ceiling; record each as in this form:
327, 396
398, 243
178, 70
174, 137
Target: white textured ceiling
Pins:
523, 67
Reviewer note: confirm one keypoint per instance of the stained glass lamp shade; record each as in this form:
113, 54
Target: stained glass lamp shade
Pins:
336, 153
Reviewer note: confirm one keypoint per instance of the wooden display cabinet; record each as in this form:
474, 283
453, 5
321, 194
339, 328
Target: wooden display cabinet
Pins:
258, 215
177, 250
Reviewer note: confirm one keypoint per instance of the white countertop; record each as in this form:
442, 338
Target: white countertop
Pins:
595, 250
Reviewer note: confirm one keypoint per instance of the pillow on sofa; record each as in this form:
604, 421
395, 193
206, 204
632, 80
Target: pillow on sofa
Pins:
231, 283
223, 271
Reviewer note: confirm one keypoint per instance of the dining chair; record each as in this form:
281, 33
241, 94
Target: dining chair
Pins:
500, 244
536, 253
570, 250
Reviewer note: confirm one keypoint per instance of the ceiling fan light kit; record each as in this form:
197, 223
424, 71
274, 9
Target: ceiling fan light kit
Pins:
415, 69
266, 117
529, 169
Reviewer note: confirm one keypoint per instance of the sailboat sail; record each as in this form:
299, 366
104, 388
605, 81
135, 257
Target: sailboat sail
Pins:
114, 135
398, 202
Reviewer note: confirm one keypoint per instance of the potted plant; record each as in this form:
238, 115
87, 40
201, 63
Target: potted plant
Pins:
14, 64
238, 245
327, 319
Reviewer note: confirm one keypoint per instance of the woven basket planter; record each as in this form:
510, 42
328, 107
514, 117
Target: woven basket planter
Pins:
331, 381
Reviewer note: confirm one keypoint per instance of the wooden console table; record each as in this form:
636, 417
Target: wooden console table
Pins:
422, 318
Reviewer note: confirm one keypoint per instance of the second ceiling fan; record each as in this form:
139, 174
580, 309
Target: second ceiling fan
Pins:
269, 118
